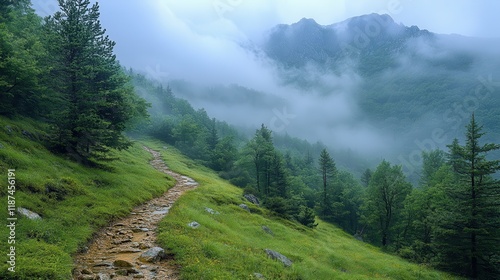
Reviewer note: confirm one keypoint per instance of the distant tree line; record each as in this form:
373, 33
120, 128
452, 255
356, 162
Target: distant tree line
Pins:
450, 220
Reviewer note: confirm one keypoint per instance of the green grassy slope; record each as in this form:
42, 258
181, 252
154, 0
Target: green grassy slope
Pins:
231, 245
74, 201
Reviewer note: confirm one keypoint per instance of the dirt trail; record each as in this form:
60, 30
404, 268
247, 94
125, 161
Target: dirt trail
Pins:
114, 253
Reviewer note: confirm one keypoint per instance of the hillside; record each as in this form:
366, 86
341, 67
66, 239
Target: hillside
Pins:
75, 201
231, 244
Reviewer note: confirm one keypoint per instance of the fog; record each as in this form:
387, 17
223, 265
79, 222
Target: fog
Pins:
214, 61
209, 53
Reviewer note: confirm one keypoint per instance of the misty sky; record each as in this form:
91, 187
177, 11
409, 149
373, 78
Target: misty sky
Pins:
153, 35
202, 41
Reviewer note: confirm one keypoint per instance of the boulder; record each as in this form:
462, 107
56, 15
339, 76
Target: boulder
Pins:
244, 207
28, 214
267, 230
277, 256
252, 198
194, 224
152, 255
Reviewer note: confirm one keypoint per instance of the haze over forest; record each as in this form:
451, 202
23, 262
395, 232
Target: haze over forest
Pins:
330, 81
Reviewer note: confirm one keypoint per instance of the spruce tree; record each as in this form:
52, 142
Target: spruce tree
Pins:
96, 100
328, 171
469, 237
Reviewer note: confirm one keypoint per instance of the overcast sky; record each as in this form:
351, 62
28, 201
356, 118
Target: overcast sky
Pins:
147, 29
201, 41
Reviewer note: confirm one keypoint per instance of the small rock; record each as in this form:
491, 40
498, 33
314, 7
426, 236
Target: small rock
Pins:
139, 275
140, 229
143, 246
121, 241
122, 263
194, 224
244, 207
267, 230
143, 266
258, 276
152, 255
101, 264
277, 256
124, 250
122, 272
103, 276
87, 277
211, 211
28, 214
86, 271
84, 249
132, 271
28, 134
252, 198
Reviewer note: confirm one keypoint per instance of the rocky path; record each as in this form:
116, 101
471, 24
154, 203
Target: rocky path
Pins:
126, 249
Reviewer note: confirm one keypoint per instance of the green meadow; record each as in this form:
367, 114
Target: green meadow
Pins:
75, 201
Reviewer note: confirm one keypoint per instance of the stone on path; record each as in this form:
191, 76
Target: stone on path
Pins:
122, 263
103, 276
152, 255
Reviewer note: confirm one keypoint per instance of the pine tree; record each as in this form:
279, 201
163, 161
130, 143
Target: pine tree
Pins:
366, 177
262, 149
469, 237
328, 171
96, 100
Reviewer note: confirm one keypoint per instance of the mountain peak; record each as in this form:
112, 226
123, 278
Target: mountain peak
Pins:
307, 21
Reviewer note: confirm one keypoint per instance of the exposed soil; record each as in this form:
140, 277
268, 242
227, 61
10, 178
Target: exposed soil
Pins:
114, 252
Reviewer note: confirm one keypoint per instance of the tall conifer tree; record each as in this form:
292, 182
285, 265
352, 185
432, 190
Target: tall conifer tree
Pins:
469, 237
96, 100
